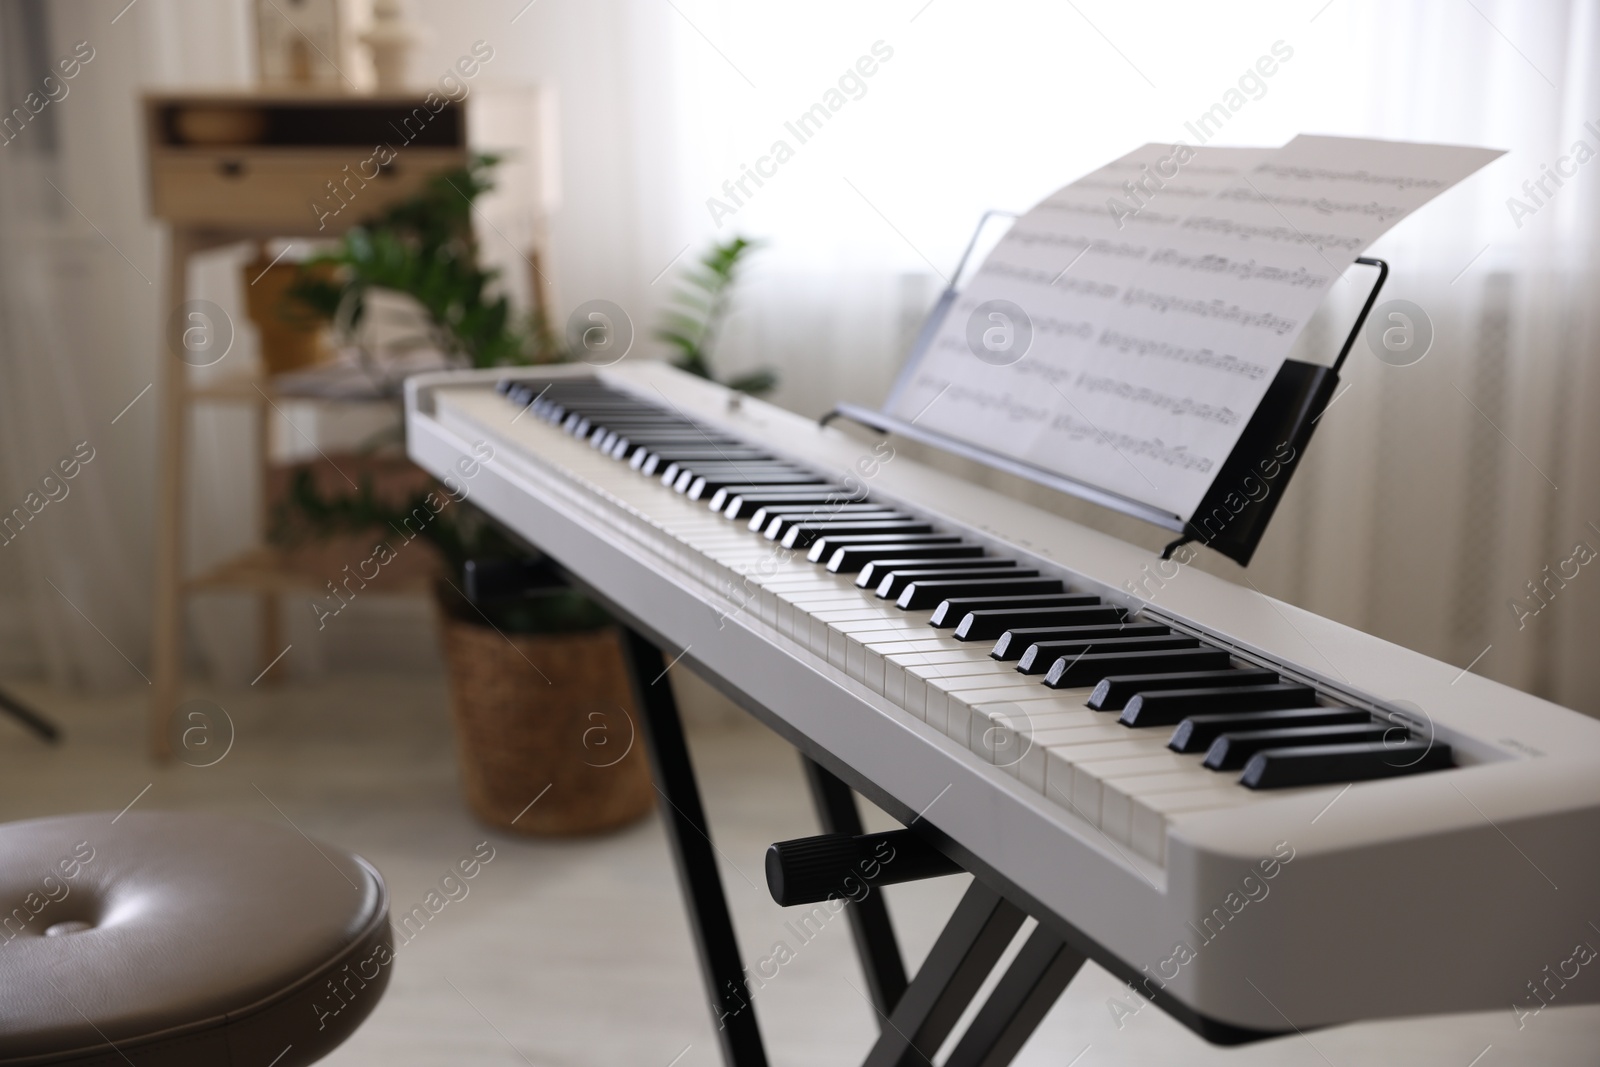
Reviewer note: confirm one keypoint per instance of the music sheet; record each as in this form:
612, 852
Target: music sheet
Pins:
1124, 330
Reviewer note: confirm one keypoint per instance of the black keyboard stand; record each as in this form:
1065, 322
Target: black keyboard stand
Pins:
694, 856
36, 723
915, 1017
881, 963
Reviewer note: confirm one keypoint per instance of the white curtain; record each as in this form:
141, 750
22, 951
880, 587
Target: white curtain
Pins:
1429, 498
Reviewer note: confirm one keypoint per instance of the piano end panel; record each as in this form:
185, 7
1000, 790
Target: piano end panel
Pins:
1472, 893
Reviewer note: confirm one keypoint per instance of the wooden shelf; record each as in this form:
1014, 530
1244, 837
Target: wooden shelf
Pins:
309, 168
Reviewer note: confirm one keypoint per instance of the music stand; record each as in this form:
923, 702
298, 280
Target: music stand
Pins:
1227, 519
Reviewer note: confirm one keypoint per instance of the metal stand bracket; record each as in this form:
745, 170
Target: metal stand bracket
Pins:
916, 1016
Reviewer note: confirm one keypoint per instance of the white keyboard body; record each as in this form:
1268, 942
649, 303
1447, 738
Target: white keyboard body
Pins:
1451, 891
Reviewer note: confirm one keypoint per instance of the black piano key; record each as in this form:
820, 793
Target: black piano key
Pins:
872, 574
623, 443
653, 459
779, 525
664, 436
1168, 707
825, 509
671, 470
743, 505
895, 582
805, 534
1040, 656
664, 429
1279, 768
659, 460
637, 457
824, 548
1232, 750
641, 457
754, 468
1196, 733
680, 473
919, 595
629, 419
1113, 693
1015, 641
986, 624
854, 558
591, 423
722, 494
1090, 667
953, 612
697, 483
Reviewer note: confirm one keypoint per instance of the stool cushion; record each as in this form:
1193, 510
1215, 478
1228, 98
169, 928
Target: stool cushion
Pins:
167, 939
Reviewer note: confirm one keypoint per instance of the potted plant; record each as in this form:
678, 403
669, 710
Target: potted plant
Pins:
692, 325
545, 729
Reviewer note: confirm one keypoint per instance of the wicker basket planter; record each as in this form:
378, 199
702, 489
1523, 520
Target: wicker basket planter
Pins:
545, 720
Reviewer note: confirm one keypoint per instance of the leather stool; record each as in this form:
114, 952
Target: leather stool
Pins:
170, 939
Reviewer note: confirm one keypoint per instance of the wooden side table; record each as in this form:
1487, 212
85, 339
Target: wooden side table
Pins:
232, 166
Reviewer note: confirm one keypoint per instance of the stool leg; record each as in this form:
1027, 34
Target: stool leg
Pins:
694, 858
881, 963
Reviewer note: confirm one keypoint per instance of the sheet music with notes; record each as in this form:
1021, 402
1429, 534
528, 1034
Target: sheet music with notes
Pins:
1124, 330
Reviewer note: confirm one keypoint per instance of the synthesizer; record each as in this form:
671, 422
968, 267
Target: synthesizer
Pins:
1268, 820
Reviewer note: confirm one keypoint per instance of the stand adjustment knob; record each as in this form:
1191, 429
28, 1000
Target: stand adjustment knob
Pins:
811, 869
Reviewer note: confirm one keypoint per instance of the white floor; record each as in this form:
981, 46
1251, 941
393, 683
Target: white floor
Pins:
578, 952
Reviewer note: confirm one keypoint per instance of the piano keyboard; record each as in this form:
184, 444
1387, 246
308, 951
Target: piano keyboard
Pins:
1117, 754
1097, 709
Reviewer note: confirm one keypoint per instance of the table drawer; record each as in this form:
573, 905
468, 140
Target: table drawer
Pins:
288, 192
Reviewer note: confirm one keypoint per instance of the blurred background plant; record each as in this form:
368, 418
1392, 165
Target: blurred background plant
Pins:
424, 249
700, 305
476, 553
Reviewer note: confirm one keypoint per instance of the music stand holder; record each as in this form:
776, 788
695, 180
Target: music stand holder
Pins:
1229, 519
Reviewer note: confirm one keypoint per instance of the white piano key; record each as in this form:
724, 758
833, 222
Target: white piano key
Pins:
939, 680
1060, 760
1149, 818
1002, 732
982, 705
870, 647
823, 619
795, 610
947, 694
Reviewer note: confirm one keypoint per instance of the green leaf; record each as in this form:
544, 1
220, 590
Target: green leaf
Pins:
756, 383
698, 307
